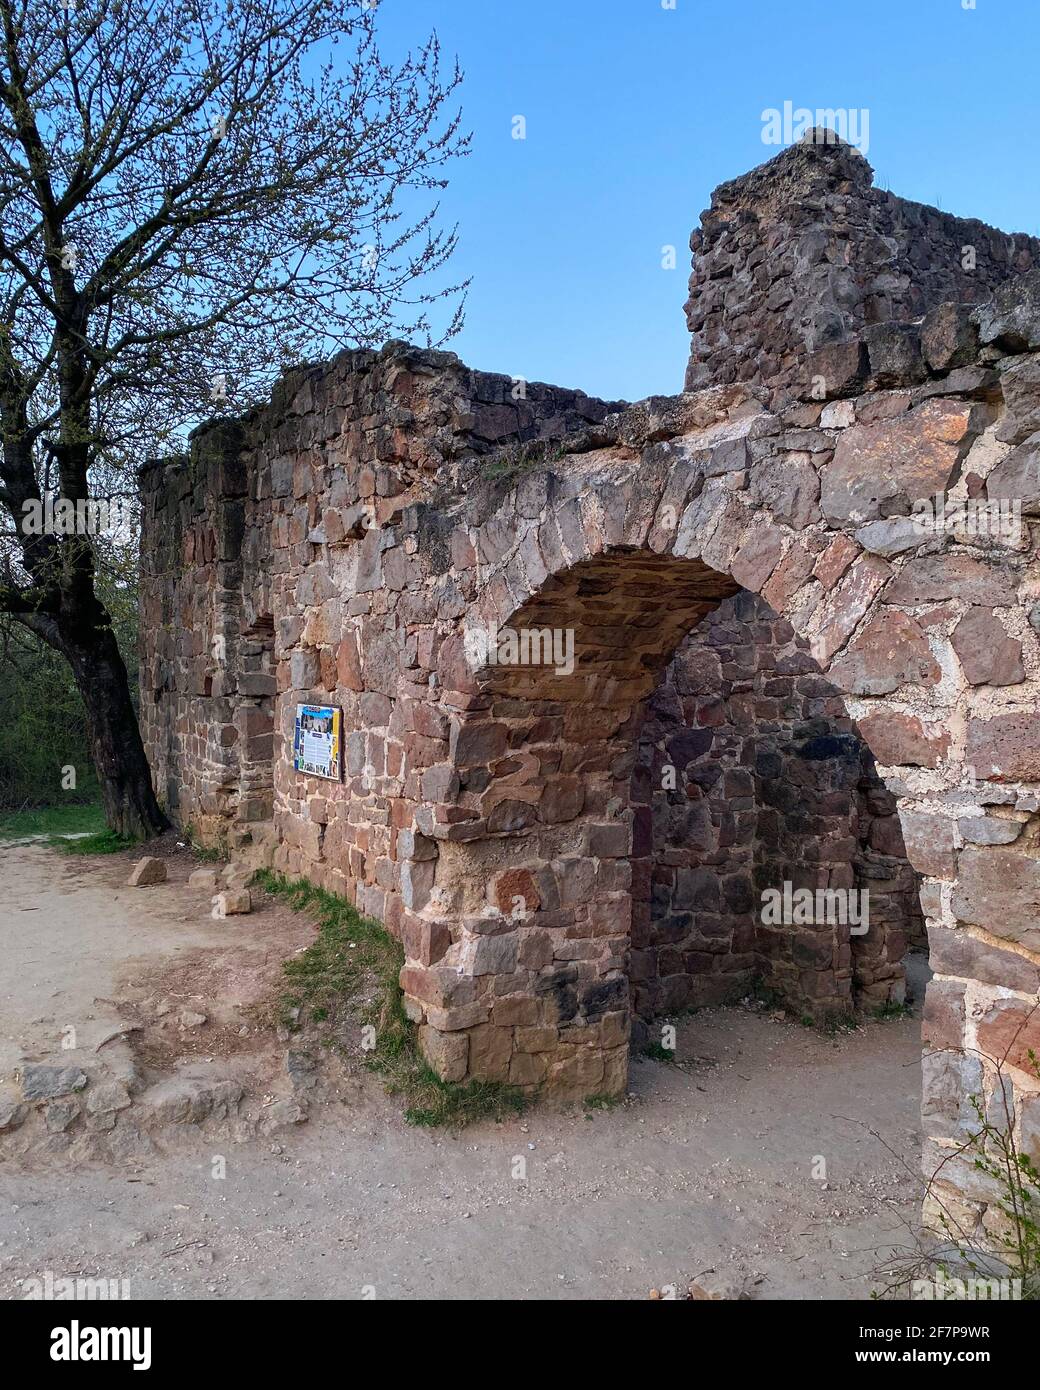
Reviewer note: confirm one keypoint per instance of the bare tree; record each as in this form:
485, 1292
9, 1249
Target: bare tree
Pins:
193, 195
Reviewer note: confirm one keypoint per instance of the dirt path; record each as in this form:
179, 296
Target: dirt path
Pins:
69, 928
709, 1164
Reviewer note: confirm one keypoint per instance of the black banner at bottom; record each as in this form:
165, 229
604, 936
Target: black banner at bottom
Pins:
61, 1341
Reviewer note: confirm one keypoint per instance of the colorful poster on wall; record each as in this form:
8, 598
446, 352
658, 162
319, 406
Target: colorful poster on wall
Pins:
318, 741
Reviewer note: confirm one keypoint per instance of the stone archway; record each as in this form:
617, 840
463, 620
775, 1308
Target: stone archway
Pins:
543, 881
626, 543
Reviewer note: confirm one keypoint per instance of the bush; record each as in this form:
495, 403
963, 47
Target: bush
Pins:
43, 725
43, 729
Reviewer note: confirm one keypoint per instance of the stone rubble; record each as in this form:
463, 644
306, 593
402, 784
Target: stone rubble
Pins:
146, 872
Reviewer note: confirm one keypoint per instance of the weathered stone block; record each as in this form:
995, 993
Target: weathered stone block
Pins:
1011, 318
988, 655
608, 841
949, 1081
495, 955
931, 842
40, 1082
425, 941
840, 369
1008, 1031
894, 353
903, 740
232, 903
845, 606
890, 652
949, 337
1021, 387
999, 890
936, 578
1005, 748
146, 872
514, 892
879, 468
447, 1053
490, 1052
1016, 478
958, 952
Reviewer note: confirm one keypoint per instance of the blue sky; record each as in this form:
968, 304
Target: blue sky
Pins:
635, 112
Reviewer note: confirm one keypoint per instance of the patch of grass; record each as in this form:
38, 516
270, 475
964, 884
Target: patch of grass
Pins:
206, 855
832, 1021
437, 1104
352, 968
890, 1009
52, 820
659, 1052
508, 464
104, 842
603, 1102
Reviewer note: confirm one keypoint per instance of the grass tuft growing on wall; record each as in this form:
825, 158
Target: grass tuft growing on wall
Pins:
351, 970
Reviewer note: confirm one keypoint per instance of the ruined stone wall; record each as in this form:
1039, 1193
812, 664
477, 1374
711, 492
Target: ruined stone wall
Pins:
207, 677
803, 251
380, 435
632, 538
489, 812
228, 534
263, 553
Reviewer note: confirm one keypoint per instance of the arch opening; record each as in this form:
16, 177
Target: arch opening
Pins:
651, 755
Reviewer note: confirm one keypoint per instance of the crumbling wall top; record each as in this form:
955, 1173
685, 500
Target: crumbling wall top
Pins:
803, 251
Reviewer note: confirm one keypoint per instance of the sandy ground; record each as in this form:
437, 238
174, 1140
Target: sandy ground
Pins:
79, 948
712, 1163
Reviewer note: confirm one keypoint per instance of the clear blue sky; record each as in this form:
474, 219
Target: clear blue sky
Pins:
635, 112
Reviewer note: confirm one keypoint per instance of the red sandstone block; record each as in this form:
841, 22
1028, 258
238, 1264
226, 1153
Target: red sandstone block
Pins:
610, 840
944, 1014
999, 890
424, 941
902, 740
835, 560
527, 1069
930, 842
1005, 748
957, 952
1008, 1031
517, 1009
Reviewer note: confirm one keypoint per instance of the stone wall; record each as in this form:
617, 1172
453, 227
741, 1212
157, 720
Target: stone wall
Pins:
223, 532
803, 251
207, 667
644, 527
259, 554
767, 782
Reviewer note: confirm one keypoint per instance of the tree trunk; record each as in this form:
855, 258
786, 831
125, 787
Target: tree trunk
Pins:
115, 738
